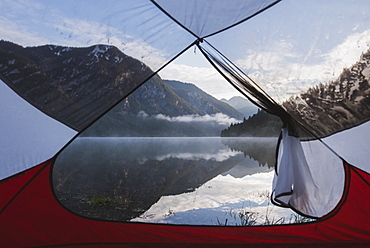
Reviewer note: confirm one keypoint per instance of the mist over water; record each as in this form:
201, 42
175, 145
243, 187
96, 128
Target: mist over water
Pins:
167, 180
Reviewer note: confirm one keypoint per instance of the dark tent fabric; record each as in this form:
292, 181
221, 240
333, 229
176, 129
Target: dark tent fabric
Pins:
69, 67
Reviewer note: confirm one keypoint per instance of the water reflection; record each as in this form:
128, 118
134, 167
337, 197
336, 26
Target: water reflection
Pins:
260, 149
126, 179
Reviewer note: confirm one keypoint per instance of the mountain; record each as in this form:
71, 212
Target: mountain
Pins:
166, 108
202, 101
67, 82
346, 100
76, 85
242, 105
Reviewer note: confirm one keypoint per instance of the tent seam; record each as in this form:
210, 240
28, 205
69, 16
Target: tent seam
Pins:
24, 186
244, 20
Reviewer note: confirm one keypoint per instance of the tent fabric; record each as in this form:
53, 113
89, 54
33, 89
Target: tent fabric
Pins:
309, 36
72, 101
301, 179
241, 81
298, 187
32, 137
272, 52
355, 137
347, 224
192, 13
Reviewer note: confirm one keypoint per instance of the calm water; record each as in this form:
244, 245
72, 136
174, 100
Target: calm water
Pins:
205, 181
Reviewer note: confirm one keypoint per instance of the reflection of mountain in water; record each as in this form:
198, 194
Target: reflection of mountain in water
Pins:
135, 173
247, 167
261, 149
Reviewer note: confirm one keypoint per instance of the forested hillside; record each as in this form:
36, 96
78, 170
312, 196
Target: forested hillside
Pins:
346, 100
260, 124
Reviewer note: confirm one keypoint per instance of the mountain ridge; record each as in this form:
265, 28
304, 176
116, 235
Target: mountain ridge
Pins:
76, 85
204, 102
336, 105
325, 108
242, 105
62, 81
156, 110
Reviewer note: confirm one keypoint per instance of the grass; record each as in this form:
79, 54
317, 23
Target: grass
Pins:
296, 218
248, 218
242, 218
102, 201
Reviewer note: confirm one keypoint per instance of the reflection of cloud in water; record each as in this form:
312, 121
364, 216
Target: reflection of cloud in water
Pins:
192, 177
215, 199
222, 155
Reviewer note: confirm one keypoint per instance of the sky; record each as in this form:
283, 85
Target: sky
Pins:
192, 67
286, 49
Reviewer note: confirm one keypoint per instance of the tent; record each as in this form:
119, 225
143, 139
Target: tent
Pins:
306, 62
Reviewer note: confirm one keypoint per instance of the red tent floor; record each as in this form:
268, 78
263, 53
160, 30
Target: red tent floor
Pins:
31, 217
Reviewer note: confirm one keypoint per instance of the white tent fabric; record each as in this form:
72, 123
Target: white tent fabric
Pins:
353, 145
301, 180
28, 136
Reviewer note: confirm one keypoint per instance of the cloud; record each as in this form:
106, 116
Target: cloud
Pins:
30, 23
219, 118
206, 78
215, 200
220, 156
283, 72
193, 68
142, 114
349, 51
271, 59
14, 26
279, 69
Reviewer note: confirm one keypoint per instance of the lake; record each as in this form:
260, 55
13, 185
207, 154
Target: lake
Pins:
196, 181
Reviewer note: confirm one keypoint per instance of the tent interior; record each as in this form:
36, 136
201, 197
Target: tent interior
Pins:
184, 123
